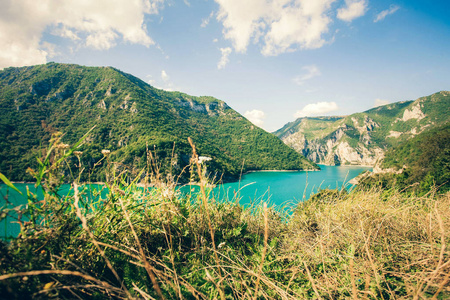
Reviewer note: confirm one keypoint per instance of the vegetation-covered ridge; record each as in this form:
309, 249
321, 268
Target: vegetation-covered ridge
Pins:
130, 117
417, 164
159, 244
363, 138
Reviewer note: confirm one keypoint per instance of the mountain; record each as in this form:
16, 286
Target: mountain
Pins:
130, 117
363, 138
418, 164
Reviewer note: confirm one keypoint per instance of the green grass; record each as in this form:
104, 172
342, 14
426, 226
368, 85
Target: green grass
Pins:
156, 243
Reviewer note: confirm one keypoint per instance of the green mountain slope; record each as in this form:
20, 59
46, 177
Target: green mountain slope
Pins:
363, 138
418, 164
130, 116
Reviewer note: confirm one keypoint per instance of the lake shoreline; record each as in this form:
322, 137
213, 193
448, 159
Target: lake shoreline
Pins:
291, 171
180, 184
237, 180
362, 166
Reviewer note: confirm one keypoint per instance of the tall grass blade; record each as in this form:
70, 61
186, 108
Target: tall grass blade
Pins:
9, 183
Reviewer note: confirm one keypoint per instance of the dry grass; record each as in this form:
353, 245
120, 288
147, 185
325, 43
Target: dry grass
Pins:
367, 244
392, 245
159, 244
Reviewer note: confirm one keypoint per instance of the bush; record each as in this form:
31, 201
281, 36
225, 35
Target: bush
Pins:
154, 242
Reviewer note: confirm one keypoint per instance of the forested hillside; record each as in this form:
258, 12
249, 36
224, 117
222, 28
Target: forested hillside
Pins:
130, 118
419, 164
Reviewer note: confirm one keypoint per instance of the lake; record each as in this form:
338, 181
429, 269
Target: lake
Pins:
288, 188
282, 189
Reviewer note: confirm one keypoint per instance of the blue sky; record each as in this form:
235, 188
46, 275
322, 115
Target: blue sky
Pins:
271, 60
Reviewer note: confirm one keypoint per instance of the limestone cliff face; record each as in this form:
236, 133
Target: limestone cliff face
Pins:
212, 109
335, 149
363, 138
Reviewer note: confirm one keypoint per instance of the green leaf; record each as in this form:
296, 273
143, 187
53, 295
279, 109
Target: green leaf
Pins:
8, 183
135, 180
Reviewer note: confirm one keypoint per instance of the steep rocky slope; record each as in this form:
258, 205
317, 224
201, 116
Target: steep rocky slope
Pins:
363, 138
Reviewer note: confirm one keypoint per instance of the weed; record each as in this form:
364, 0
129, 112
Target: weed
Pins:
146, 240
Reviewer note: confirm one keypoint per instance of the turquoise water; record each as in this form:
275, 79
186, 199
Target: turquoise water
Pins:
283, 189
288, 188
10, 200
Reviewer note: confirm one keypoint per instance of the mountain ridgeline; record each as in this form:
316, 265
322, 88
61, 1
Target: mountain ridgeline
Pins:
130, 118
363, 138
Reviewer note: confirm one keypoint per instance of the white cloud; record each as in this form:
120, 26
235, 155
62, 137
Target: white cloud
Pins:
101, 23
206, 21
50, 49
392, 9
380, 102
282, 25
163, 84
315, 109
255, 116
354, 9
215, 40
164, 76
102, 40
65, 32
310, 72
152, 6
224, 59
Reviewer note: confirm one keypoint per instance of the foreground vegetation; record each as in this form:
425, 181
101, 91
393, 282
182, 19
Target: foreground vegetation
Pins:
157, 243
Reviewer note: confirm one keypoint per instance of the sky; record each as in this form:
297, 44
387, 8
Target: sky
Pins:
271, 60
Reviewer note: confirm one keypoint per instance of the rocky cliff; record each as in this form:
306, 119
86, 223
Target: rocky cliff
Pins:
363, 138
